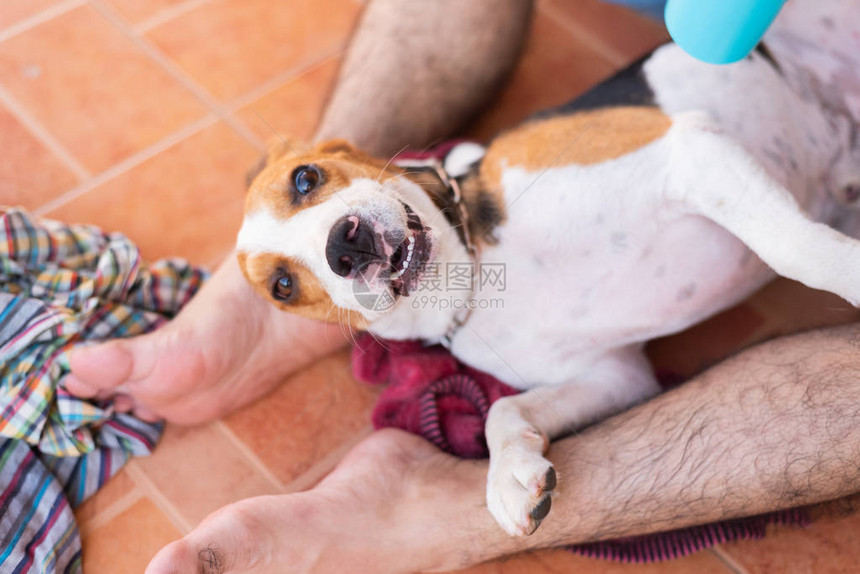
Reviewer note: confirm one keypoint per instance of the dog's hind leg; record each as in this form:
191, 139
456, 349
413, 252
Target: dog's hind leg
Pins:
716, 178
521, 480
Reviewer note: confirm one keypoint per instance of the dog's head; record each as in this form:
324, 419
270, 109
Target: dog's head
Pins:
334, 234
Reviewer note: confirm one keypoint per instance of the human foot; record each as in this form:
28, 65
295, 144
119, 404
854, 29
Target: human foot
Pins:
225, 349
395, 504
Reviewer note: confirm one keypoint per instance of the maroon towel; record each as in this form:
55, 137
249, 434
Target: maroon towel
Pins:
431, 394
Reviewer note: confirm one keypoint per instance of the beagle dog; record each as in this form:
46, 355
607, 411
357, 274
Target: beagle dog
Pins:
663, 196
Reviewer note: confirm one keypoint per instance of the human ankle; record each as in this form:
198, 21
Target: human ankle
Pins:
459, 530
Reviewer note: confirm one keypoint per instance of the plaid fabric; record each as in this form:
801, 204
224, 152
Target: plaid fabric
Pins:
61, 286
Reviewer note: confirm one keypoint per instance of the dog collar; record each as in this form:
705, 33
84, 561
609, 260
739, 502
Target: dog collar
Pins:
451, 201
453, 208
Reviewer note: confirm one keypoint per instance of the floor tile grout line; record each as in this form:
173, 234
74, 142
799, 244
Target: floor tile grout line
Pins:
112, 511
249, 455
172, 68
127, 164
42, 134
325, 392
39, 18
218, 112
230, 108
281, 80
727, 560
582, 33
167, 15
92, 181
244, 131
149, 489
327, 463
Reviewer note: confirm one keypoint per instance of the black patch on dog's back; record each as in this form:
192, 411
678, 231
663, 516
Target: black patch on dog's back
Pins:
626, 88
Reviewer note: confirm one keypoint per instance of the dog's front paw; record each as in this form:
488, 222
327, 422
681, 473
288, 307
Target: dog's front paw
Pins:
519, 489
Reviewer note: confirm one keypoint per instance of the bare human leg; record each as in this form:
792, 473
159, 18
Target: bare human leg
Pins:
775, 427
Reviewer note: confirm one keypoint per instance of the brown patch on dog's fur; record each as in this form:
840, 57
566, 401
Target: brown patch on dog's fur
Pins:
339, 163
275, 149
337, 160
309, 299
605, 134
271, 188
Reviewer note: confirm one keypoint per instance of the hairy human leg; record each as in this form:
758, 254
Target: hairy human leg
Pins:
418, 71
775, 427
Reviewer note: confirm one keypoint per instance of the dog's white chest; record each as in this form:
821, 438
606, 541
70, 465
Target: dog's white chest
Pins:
595, 259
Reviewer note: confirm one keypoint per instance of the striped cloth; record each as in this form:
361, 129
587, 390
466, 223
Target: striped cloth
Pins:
61, 286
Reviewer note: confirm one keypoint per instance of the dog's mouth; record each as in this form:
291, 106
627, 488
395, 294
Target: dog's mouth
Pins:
410, 258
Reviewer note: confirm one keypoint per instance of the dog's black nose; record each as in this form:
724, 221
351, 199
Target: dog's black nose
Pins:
351, 246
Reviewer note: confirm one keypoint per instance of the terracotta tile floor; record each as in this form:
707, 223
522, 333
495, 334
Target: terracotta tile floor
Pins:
143, 115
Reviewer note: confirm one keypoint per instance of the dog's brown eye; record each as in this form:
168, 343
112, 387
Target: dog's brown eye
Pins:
283, 288
306, 178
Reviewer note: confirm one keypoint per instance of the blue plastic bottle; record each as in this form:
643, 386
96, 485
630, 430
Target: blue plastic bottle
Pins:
720, 31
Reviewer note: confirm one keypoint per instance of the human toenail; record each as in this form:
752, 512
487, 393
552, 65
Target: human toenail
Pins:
210, 561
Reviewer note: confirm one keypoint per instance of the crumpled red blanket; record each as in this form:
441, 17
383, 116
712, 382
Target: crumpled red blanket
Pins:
428, 393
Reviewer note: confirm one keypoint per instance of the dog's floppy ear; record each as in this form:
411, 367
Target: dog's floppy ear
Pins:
346, 149
336, 146
277, 148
